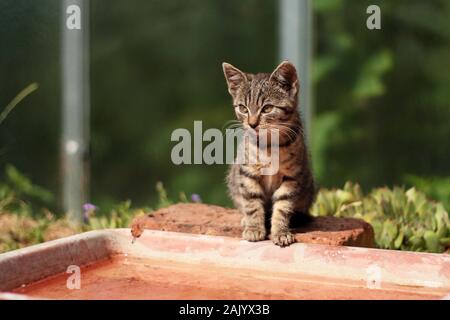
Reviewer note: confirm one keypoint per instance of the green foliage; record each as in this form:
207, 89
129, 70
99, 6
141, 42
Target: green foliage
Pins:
323, 127
369, 83
437, 188
402, 219
20, 195
388, 90
23, 220
162, 195
23, 186
120, 216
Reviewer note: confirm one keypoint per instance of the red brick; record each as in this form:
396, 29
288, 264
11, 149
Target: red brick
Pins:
215, 220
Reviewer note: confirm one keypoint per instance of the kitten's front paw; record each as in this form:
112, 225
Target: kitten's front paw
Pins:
283, 239
254, 235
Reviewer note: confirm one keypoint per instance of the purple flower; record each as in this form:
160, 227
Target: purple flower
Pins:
88, 209
196, 198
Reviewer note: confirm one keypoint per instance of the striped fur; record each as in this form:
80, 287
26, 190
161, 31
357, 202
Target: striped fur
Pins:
265, 101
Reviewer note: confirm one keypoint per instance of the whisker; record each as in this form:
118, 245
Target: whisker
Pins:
296, 126
230, 123
290, 133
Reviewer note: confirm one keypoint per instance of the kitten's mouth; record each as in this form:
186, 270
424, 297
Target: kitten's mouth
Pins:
248, 127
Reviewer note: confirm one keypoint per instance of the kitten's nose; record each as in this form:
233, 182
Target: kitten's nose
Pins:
253, 122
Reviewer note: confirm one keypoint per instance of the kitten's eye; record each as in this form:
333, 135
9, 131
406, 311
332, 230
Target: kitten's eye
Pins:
267, 109
242, 108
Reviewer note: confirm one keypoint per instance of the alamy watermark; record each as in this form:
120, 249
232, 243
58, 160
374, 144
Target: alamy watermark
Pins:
74, 280
73, 21
373, 22
259, 148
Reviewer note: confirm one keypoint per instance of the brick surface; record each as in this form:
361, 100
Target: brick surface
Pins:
215, 220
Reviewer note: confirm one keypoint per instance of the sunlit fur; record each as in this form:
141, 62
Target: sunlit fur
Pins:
269, 101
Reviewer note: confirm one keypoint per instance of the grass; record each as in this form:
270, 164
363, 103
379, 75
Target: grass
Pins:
17, 99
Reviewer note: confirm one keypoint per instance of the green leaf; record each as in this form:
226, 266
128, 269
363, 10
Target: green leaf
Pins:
389, 234
24, 186
399, 241
432, 241
442, 221
416, 242
445, 242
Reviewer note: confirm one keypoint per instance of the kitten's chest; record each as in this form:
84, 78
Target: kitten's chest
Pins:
270, 183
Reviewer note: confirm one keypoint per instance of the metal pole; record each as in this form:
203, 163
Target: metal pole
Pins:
295, 43
75, 105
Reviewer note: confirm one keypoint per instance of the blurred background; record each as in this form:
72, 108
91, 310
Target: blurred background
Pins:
381, 99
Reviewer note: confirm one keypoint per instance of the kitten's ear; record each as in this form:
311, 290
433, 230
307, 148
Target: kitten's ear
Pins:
234, 77
286, 76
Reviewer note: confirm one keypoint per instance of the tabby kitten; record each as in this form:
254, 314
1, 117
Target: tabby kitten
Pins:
269, 101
